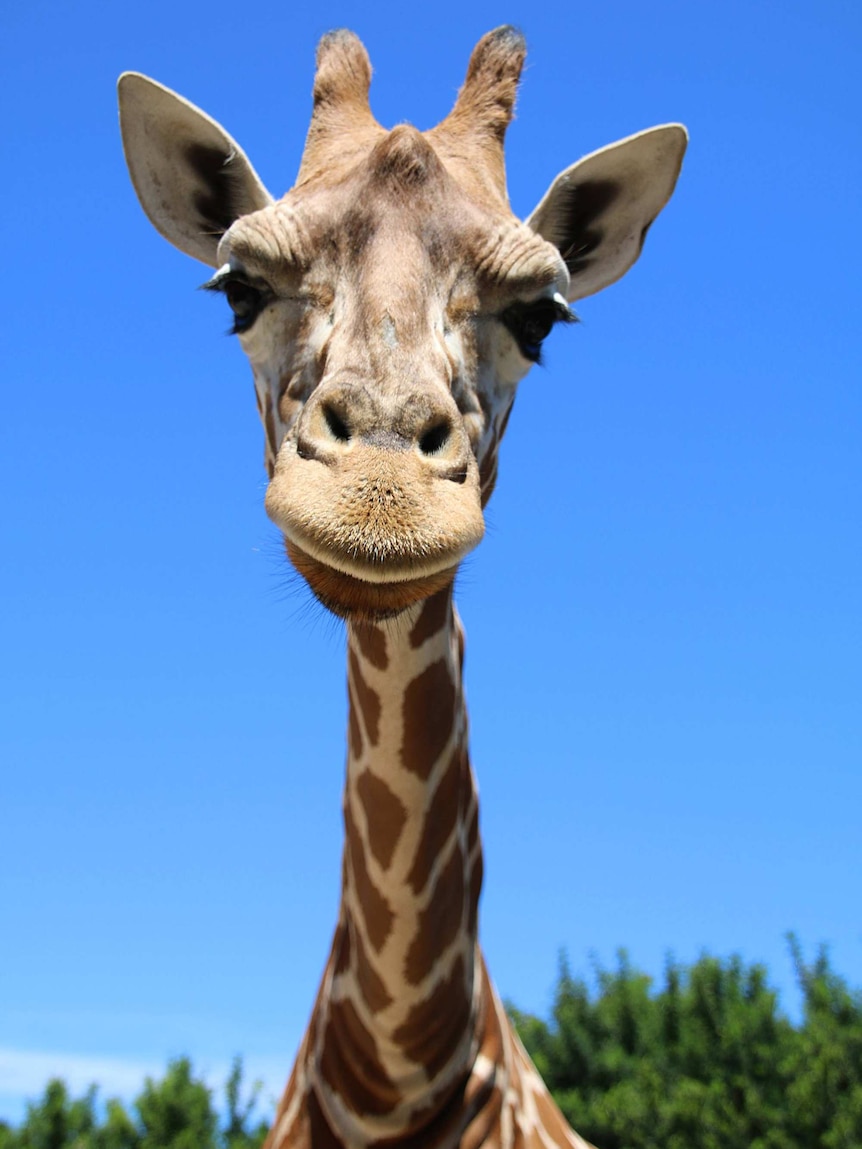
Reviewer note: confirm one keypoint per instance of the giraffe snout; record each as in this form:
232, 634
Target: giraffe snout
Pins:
381, 486
347, 415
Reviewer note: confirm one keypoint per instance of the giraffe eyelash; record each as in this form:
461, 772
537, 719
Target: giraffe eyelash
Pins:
246, 299
218, 281
530, 324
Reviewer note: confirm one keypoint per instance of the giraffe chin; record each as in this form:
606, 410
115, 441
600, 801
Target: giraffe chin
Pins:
356, 599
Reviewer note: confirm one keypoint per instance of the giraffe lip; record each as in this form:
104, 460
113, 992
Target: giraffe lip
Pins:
363, 562
375, 516
361, 600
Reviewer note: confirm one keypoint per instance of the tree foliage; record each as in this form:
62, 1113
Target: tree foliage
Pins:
706, 1061
176, 1112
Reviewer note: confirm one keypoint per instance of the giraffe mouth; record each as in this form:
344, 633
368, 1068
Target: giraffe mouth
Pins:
357, 599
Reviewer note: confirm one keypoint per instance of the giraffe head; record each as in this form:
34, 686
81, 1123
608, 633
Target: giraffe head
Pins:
390, 302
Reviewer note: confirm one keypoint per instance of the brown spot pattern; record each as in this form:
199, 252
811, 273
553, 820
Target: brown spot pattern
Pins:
369, 703
468, 796
376, 911
473, 830
485, 1104
354, 733
439, 1123
351, 1066
432, 618
439, 922
460, 633
372, 643
286, 1099
321, 1136
374, 991
435, 1025
385, 815
439, 822
341, 950
429, 714
476, 875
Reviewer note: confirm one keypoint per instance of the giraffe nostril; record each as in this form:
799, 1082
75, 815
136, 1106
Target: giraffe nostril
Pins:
435, 439
336, 426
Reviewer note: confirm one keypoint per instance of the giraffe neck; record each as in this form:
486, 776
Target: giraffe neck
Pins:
404, 987
409, 1044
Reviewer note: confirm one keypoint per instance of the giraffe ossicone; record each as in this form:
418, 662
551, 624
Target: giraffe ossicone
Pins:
389, 305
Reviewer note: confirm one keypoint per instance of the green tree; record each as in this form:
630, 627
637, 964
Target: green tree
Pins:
824, 1068
238, 1133
57, 1121
706, 1061
175, 1112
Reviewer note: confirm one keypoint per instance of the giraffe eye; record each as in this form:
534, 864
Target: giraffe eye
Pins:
530, 323
245, 300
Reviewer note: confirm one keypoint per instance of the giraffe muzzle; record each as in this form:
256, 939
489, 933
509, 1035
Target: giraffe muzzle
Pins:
380, 489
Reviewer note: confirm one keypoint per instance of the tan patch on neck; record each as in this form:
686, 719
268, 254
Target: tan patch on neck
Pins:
491, 1034
552, 1119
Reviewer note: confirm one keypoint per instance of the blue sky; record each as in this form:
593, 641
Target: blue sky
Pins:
663, 620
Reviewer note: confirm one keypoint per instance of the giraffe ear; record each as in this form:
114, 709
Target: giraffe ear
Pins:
192, 179
598, 211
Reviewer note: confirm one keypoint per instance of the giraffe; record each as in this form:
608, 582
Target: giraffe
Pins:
389, 305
